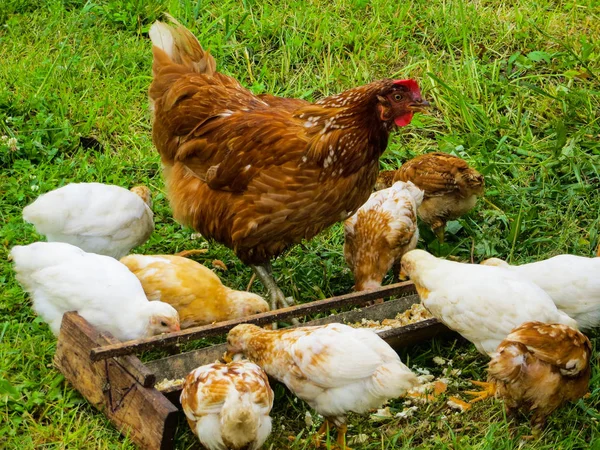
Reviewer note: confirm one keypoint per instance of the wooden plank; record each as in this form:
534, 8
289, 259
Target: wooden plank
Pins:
178, 366
414, 333
352, 299
142, 413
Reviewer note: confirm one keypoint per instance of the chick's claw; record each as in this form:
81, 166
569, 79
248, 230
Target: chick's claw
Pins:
488, 391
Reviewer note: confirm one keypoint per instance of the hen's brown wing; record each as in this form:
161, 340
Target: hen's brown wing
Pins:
440, 174
555, 344
283, 103
228, 151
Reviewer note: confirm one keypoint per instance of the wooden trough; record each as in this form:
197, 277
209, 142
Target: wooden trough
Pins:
109, 375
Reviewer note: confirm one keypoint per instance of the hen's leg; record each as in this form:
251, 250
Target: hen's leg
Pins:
265, 273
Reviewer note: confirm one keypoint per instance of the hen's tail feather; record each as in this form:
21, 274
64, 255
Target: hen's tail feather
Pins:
173, 43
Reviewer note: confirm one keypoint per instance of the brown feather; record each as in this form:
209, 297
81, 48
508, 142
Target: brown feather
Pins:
539, 367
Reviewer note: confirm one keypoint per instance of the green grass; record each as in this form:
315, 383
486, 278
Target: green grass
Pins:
516, 89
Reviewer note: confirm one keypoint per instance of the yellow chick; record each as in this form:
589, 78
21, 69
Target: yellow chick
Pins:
194, 290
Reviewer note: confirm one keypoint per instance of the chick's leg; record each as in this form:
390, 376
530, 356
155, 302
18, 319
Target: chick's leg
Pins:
265, 273
318, 437
439, 233
489, 390
341, 437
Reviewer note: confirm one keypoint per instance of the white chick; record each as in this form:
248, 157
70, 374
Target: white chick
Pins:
334, 368
380, 232
61, 277
228, 405
484, 304
98, 218
572, 281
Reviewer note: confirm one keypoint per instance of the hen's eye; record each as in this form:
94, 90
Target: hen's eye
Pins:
398, 97
163, 323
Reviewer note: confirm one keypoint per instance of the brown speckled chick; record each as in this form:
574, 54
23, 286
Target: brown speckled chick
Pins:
228, 405
539, 367
451, 187
380, 232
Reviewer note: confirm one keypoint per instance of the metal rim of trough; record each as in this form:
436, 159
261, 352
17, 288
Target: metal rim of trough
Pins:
352, 299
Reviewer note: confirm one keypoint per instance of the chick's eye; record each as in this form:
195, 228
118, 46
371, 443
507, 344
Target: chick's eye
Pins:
398, 97
163, 323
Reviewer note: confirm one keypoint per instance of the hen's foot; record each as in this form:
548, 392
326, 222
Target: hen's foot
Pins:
278, 299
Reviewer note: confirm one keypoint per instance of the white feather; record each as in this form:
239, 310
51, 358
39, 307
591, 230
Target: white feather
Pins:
98, 218
160, 35
573, 283
60, 278
356, 371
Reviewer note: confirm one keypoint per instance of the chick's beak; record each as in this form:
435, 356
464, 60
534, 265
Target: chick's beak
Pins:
176, 327
403, 276
227, 357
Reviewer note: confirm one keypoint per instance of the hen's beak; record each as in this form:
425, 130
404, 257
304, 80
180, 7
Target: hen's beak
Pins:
421, 105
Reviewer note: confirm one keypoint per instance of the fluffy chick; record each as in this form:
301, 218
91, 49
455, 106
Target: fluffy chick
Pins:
98, 218
228, 405
385, 179
540, 367
194, 290
380, 232
60, 277
451, 187
334, 368
484, 304
572, 281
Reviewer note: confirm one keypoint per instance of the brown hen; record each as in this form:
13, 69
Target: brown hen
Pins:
451, 187
538, 368
261, 173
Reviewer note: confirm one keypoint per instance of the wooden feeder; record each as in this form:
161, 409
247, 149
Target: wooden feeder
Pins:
109, 375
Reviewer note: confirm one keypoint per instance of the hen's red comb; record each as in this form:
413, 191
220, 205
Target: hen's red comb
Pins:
410, 84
